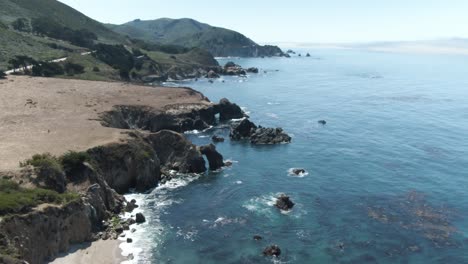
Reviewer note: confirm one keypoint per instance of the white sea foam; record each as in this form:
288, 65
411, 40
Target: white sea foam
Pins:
272, 115
238, 182
300, 175
151, 233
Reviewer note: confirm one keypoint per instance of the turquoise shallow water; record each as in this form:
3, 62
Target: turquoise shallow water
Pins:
387, 178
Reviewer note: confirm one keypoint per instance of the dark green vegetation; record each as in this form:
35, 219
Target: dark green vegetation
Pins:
16, 199
47, 30
190, 33
73, 160
2, 74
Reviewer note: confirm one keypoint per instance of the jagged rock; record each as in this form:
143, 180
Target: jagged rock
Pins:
215, 160
212, 74
269, 136
140, 218
241, 130
129, 240
177, 153
252, 70
307, 55
284, 203
228, 110
133, 164
272, 250
133, 230
298, 171
217, 138
230, 64
131, 206
322, 122
119, 229
258, 135
257, 237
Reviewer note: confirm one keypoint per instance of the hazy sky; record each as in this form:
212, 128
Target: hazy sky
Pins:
300, 20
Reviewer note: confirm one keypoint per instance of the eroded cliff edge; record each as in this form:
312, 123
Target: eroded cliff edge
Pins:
130, 134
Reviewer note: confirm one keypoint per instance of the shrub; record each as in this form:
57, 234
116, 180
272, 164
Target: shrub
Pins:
117, 56
21, 24
47, 69
73, 68
73, 160
2, 74
96, 69
50, 173
15, 199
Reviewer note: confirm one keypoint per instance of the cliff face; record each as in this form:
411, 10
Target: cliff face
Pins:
114, 168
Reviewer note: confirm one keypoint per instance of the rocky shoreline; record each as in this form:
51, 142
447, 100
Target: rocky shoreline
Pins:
149, 145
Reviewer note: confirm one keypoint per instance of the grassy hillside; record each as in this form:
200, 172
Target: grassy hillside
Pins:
191, 33
10, 10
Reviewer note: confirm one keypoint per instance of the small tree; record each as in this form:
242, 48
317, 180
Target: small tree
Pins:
2, 74
21, 24
73, 68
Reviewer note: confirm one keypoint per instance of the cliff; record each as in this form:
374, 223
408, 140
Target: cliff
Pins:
124, 136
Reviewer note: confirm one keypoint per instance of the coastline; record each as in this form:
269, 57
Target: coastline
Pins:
97, 252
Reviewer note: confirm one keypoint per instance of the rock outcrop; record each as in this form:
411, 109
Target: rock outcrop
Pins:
228, 110
246, 129
217, 139
272, 250
175, 152
284, 203
215, 159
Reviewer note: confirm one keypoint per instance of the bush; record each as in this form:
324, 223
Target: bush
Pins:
117, 56
47, 69
73, 160
50, 173
15, 199
96, 69
2, 74
73, 68
21, 24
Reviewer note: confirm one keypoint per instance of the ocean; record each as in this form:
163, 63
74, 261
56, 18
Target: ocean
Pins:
387, 176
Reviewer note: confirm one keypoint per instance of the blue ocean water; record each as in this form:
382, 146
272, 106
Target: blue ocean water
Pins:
387, 175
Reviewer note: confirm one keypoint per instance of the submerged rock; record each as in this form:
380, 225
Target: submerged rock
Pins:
252, 70
272, 250
140, 218
284, 203
217, 138
322, 122
215, 160
257, 237
307, 55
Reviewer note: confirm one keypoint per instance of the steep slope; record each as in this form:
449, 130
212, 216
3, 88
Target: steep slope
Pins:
191, 33
10, 10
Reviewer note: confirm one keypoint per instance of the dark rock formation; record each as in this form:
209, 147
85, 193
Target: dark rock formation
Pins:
215, 159
212, 74
322, 122
177, 153
298, 171
284, 203
269, 136
258, 135
242, 130
230, 64
140, 218
252, 70
307, 55
257, 237
228, 110
272, 250
216, 138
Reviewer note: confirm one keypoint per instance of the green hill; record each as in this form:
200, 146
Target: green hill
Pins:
191, 33
11, 10
44, 30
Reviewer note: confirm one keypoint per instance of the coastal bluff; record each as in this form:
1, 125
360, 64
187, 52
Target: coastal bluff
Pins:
130, 135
